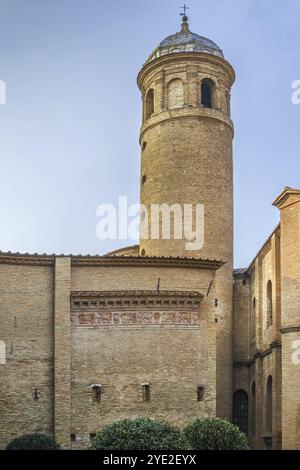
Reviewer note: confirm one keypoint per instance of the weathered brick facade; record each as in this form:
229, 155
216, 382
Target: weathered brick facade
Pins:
267, 333
69, 323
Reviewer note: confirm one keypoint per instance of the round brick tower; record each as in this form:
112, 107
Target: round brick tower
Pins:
186, 158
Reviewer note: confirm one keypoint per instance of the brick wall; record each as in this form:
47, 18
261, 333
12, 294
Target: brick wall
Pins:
26, 327
289, 204
51, 364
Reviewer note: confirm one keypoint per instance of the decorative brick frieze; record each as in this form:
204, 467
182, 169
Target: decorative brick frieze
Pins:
123, 308
112, 318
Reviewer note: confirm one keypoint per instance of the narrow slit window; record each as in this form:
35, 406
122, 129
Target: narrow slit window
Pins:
146, 392
269, 304
200, 393
73, 437
97, 392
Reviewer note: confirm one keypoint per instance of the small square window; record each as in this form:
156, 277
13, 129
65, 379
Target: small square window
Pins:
92, 436
73, 437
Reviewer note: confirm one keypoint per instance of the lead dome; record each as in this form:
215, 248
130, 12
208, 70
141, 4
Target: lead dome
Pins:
185, 41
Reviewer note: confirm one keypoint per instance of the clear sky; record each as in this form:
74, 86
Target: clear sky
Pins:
69, 130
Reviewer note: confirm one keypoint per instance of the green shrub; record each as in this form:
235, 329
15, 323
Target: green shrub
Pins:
33, 442
140, 433
215, 434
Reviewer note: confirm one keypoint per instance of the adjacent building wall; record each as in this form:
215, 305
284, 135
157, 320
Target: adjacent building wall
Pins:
289, 204
257, 343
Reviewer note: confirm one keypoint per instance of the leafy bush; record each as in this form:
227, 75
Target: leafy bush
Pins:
33, 442
140, 433
215, 434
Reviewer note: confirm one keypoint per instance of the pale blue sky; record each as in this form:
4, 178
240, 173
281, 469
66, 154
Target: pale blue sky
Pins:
69, 130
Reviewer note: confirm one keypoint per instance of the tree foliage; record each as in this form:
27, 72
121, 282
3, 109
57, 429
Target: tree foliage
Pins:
140, 433
215, 434
34, 441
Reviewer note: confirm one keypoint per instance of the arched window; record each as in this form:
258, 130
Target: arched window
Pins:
175, 94
207, 91
240, 410
269, 406
253, 414
149, 103
2, 353
269, 304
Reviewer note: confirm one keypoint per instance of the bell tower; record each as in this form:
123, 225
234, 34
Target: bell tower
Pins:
186, 159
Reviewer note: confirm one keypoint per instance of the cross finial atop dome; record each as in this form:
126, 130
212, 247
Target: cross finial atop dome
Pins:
185, 24
184, 8
185, 41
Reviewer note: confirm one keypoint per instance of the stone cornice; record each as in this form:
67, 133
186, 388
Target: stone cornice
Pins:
267, 351
191, 57
257, 355
142, 261
289, 329
186, 112
282, 200
27, 259
135, 298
